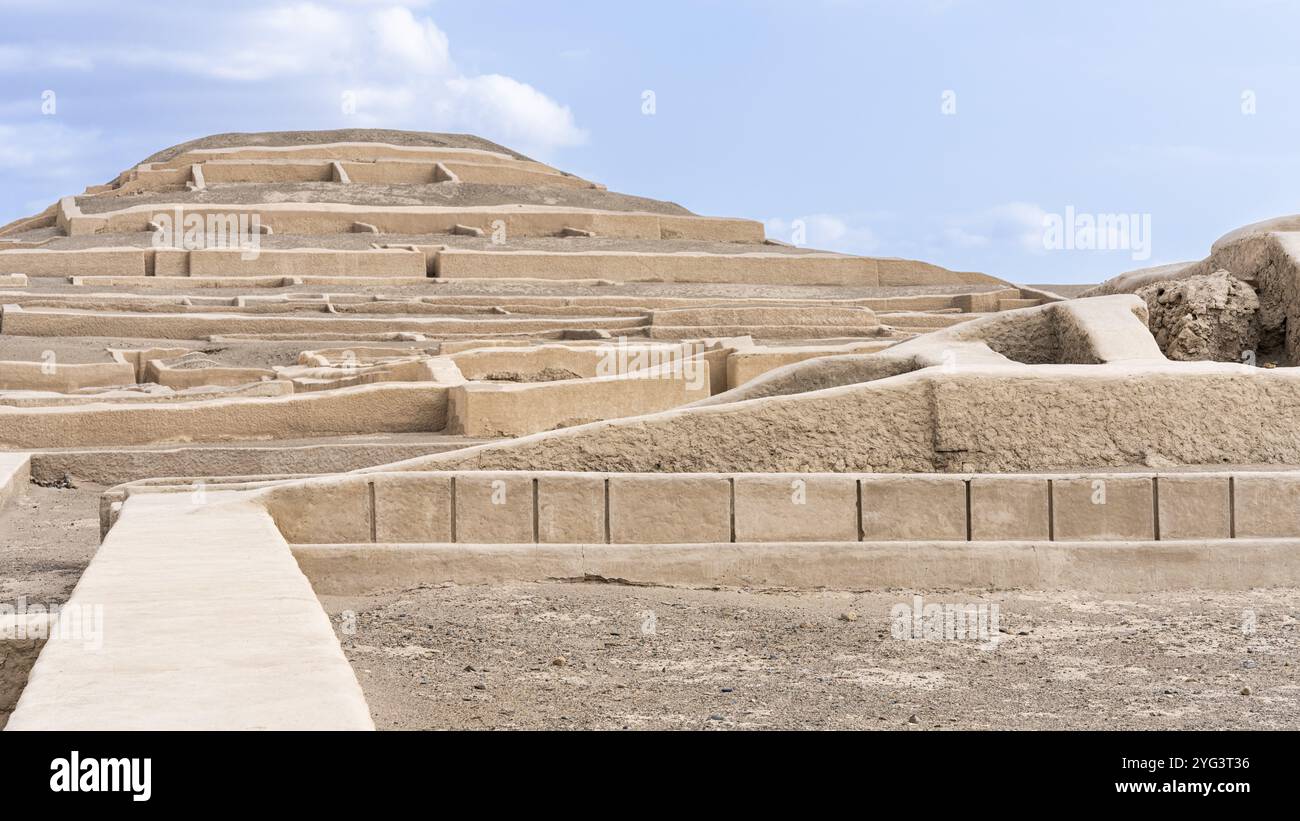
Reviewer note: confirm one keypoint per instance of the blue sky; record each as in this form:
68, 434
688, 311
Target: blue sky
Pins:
825, 112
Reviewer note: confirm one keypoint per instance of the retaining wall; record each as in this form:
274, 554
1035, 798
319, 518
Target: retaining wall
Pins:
365, 569
88, 262
349, 151
612, 508
53, 322
213, 262
222, 262
182, 378
748, 363
40, 376
758, 268
519, 221
783, 269
370, 409
765, 315
492, 409
583, 361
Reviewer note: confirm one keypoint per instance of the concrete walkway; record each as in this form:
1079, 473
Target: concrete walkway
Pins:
207, 624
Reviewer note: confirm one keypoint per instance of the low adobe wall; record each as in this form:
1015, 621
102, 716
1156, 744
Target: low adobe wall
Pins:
146, 179
109, 466
765, 315
779, 331
361, 354
585, 362
41, 376
493, 409
392, 172
357, 534
519, 221
350, 151
500, 174
183, 378
297, 262
400, 172
122, 262
813, 268
612, 508
1127, 567
748, 363
213, 263
51, 322
924, 322
138, 358
132, 395
306, 378
262, 171
759, 268
386, 408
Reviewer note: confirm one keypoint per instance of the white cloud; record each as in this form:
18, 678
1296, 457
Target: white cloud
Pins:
415, 4
849, 233
514, 110
396, 61
411, 44
1195, 159
1015, 224
28, 58
45, 149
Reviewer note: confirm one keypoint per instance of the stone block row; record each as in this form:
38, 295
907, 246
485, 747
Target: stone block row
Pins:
593, 508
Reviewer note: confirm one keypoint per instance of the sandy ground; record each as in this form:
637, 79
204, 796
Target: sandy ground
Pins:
47, 537
601, 656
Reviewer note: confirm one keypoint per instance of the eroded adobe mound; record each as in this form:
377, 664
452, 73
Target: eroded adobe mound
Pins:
1207, 317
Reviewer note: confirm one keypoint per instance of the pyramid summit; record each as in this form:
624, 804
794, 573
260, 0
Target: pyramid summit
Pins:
360, 191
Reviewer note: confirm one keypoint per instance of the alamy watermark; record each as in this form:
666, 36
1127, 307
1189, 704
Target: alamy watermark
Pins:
75, 773
1074, 231
194, 231
685, 362
965, 621
25, 620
